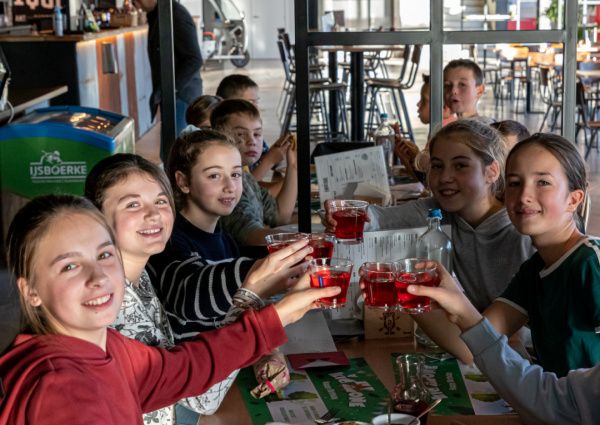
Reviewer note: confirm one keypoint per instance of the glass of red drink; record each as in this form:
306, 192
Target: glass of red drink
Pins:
350, 216
325, 272
414, 271
322, 245
277, 241
378, 283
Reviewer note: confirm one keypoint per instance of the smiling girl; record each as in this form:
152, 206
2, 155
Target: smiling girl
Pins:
67, 367
136, 198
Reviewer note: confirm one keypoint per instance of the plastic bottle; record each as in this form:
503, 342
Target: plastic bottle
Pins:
384, 136
58, 22
434, 244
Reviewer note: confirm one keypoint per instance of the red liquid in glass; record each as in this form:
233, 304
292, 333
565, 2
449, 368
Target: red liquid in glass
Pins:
274, 247
410, 301
350, 223
327, 278
380, 289
412, 407
321, 248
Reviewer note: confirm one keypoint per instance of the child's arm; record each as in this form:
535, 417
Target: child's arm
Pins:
444, 333
504, 318
273, 156
286, 199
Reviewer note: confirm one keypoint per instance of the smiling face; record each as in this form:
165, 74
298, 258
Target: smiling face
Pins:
459, 180
78, 277
537, 195
140, 214
214, 186
248, 135
461, 91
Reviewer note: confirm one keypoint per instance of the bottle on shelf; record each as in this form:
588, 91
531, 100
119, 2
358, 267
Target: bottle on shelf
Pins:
58, 22
434, 244
384, 136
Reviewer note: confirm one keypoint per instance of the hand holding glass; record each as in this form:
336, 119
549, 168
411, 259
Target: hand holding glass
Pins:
415, 271
325, 272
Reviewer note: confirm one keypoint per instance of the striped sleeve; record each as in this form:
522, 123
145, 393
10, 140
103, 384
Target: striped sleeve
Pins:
196, 295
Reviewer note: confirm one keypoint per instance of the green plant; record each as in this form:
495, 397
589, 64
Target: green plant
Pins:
552, 11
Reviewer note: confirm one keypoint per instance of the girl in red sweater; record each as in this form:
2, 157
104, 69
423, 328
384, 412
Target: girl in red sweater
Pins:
67, 367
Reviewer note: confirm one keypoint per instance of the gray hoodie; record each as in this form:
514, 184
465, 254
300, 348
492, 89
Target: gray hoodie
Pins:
485, 258
539, 397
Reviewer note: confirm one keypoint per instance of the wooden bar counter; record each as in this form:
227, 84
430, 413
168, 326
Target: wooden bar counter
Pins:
108, 70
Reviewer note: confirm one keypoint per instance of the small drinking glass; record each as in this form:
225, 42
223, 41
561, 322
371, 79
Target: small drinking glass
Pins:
350, 216
378, 283
277, 241
326, 272
322, 245
414, 271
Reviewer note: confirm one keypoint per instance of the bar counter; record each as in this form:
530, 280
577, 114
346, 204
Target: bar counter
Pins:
108, 70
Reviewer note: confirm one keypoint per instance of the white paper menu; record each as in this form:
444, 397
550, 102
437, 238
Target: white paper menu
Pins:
339, 174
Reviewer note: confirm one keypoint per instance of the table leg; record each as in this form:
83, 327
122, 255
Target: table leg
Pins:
333, 102
357, 95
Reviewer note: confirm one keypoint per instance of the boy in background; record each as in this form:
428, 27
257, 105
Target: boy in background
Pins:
463, 87
238, 86
258, 210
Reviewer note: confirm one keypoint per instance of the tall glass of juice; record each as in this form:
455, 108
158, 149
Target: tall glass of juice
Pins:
350, 216
325, 272
378, 284
414, 271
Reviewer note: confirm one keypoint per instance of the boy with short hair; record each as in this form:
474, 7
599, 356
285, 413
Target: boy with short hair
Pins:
463, 87
238, 86
257, 210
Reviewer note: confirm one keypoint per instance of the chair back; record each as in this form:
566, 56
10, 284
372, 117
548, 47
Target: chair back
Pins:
284, 60
414, 67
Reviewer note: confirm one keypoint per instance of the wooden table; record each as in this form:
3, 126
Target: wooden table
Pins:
357, 89
378, 355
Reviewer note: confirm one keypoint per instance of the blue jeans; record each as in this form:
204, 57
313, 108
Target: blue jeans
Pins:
186, 416
180, 108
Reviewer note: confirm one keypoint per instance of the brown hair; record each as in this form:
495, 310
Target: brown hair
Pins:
32, 223
564, 151
233, 85
466, 63
200, 109
220, 115
511, 127
485, 141
570, 160
116, 168
184, 154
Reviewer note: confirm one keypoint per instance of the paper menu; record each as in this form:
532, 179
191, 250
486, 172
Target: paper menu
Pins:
339, 174
385, 245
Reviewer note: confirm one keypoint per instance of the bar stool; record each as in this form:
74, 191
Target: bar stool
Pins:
550, 93
396, 87
318, 89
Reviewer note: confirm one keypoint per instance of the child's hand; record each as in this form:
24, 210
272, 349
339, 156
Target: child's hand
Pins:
450, 297
277, 271
295, 304
277, 151
291, 158
406, 150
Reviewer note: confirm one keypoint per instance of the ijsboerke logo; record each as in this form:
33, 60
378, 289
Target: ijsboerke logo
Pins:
52, 169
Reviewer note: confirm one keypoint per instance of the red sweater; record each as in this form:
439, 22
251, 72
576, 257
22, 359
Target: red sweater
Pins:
56, 379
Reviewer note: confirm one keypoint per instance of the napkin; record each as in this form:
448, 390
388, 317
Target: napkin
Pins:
271, 373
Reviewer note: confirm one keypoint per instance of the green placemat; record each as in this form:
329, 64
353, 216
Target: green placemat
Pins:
355, 392
443, 379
